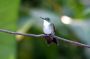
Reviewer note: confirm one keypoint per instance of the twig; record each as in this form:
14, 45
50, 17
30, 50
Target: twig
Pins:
17, 33
43, 35
72, 42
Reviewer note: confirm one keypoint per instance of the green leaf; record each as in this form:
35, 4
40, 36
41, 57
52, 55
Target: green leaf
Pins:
8, 17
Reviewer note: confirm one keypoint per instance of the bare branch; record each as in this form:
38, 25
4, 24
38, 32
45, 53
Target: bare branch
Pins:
17, 33
43, 35
73, 42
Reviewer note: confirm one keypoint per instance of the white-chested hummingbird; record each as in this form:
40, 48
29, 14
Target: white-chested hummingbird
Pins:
49, 30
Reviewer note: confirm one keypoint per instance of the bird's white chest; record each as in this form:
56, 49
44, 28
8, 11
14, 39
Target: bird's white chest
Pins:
47, 28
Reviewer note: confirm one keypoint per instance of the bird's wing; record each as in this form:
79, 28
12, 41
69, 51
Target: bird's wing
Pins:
53, 28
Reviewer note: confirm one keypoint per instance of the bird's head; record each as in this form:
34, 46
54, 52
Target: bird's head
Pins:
47, 19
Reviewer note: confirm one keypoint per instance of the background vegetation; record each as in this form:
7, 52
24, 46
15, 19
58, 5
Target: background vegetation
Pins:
24, 16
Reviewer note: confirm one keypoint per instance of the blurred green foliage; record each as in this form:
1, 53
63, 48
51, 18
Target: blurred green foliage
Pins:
28, 22
8, 17
36, 48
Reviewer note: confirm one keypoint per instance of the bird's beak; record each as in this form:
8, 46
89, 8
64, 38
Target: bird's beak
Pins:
42, 18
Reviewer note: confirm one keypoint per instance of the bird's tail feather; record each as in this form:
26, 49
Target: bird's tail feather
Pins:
55, 40
51, 40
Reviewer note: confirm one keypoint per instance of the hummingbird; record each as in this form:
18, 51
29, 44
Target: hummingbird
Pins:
49, 30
